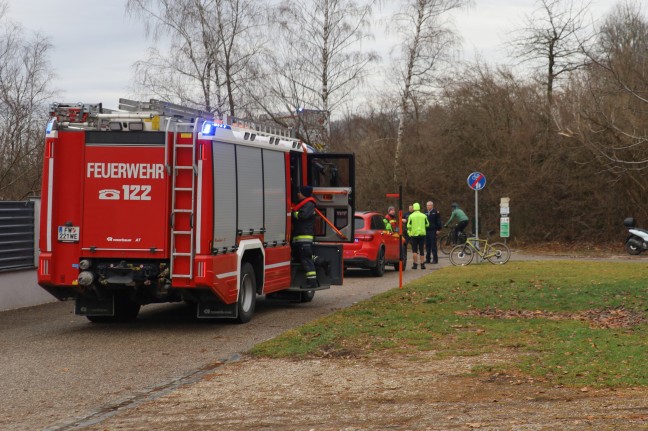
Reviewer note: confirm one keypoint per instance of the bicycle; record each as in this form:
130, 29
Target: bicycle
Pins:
447, 242
496, 253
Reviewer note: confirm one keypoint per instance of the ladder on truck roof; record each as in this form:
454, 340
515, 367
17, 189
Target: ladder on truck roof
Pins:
168, 109
164, 109
183, 203
261, 127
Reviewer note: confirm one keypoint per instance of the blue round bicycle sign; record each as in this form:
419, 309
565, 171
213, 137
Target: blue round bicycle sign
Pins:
476, 181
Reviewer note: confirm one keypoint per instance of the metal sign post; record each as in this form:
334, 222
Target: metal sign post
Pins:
476, 214
476, 181
505, 220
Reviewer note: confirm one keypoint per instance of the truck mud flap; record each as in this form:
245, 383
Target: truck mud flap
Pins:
328, 264
217, 310
89, 306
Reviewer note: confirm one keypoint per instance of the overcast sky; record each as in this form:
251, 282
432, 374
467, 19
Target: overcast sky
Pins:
95, 44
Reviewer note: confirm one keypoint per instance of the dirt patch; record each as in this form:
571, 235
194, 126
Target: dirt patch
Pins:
606, 318
406, 392
575, 249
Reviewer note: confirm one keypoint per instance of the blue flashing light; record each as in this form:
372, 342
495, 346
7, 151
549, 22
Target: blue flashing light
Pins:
209, 128
50, 125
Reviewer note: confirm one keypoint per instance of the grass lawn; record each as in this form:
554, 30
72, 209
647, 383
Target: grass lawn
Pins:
572, 322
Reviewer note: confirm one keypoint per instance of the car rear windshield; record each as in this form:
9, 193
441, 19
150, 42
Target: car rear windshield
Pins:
358, 223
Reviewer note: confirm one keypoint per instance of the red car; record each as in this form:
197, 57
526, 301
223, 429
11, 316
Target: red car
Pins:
374, 246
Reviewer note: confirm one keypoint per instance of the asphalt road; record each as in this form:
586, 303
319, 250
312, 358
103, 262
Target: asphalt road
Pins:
60, 372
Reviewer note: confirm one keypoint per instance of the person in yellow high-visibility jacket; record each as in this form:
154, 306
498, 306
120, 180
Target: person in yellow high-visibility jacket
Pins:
417, 224
390, 220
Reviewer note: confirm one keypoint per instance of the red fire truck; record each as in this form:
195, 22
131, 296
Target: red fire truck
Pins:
155, 202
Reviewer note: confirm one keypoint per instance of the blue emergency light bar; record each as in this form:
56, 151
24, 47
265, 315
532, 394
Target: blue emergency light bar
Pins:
209, 128
50, 125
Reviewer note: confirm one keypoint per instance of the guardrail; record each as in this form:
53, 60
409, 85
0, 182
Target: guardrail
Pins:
19, 255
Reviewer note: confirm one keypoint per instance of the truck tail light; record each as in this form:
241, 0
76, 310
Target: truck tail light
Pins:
44, 267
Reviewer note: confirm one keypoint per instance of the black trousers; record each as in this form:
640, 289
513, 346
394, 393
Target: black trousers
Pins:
431, 246
459, 228
304, 254
417, 244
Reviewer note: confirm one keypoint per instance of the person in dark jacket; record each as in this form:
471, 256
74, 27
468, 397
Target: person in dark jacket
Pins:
431, 232
304, 232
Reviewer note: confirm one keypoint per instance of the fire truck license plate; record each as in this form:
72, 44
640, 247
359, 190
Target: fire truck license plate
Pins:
68, 233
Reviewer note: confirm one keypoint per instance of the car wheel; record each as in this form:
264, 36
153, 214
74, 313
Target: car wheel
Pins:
404, 263
379, 269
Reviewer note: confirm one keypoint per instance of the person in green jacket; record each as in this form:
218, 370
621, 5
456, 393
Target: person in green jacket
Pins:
417, 223
462, 221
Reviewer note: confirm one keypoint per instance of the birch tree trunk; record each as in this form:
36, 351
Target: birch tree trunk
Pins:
317, 63
208, 62
425, 40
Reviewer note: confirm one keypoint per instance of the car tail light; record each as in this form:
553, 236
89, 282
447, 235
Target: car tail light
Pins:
364, 237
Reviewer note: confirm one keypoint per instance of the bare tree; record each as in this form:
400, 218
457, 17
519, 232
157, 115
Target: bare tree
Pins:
425, 41
25, 74
317, 62
612, 118
552, 38
211, 51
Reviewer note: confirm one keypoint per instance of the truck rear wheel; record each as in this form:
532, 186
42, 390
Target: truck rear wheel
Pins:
247, 294
306, 296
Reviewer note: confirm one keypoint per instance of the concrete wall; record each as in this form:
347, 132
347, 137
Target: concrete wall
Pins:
20, 289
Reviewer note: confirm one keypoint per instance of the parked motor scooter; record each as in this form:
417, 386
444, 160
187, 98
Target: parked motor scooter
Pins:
637, 240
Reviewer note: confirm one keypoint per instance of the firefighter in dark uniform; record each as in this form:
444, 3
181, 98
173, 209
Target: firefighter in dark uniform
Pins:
303, 233
434, 217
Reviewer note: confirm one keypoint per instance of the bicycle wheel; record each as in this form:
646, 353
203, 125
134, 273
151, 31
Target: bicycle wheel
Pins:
461, 255
498, 253
445, 244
